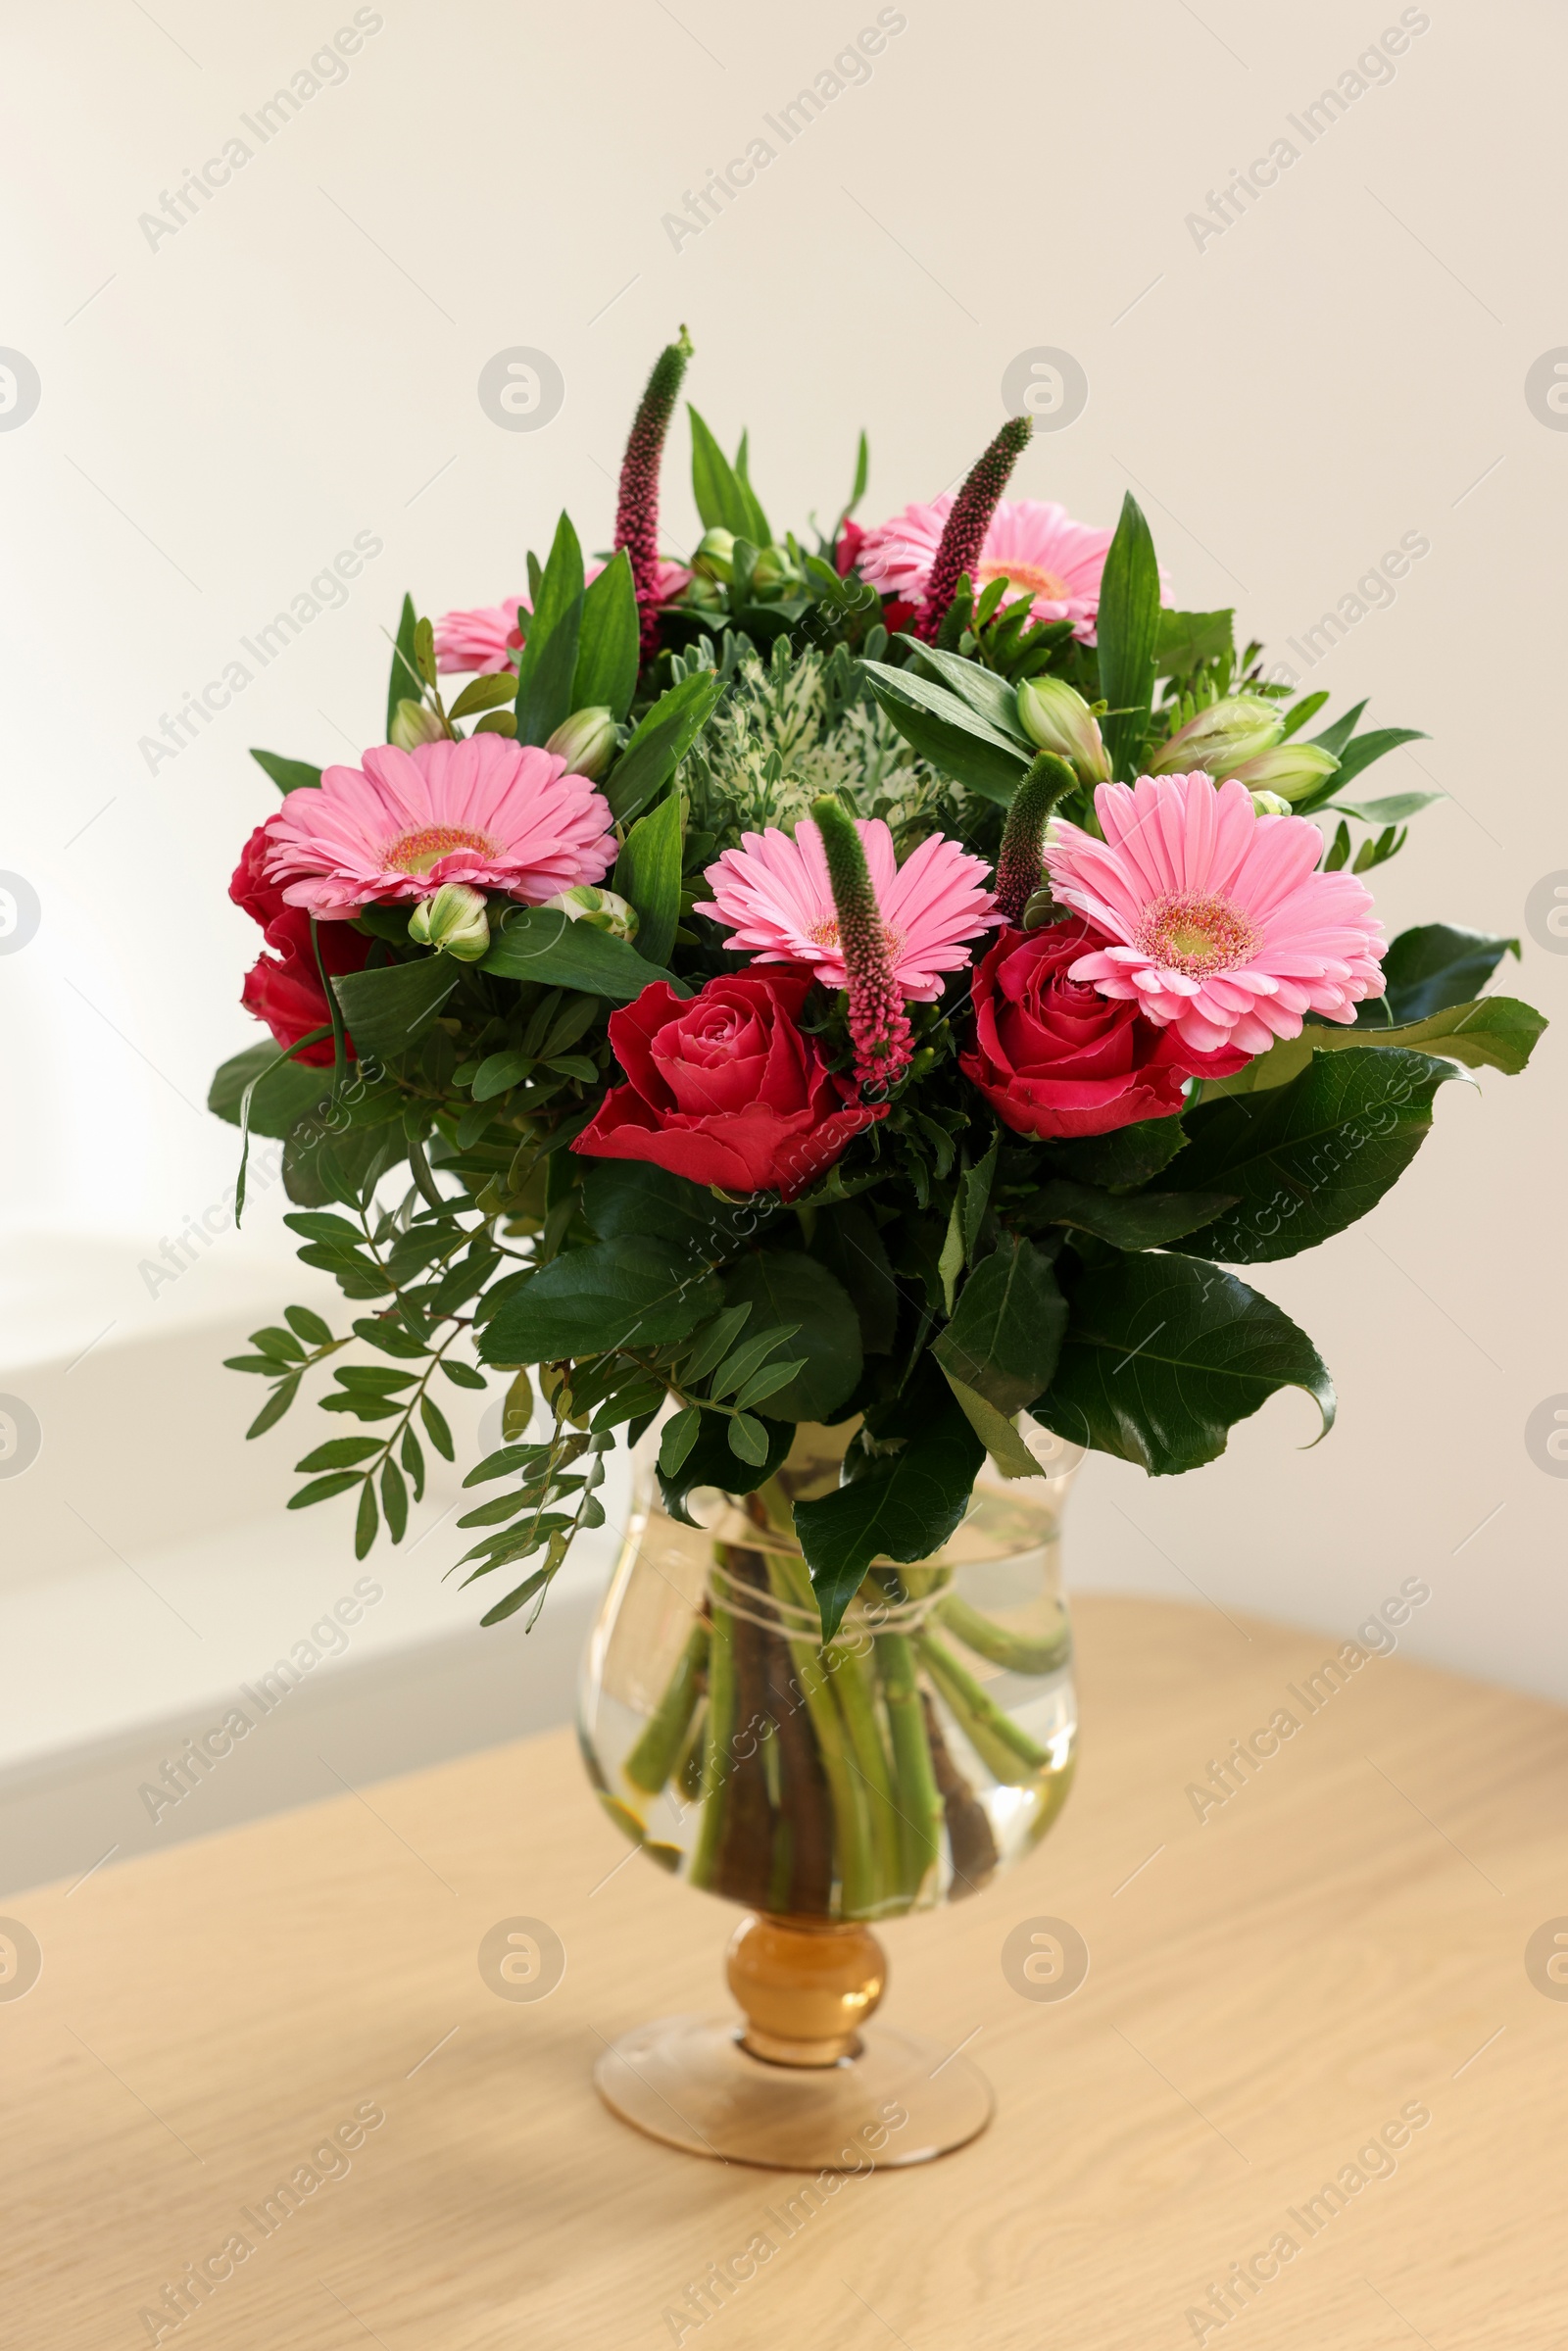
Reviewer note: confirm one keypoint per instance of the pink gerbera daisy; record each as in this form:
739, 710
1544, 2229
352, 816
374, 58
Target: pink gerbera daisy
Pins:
1224, 929
485, 640
496, 814
774, 893
1032, 542
488, 639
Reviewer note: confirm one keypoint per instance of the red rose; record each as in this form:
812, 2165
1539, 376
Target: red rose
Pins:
284, 987
847, 553
262, 899
1052, 1056
724, 1089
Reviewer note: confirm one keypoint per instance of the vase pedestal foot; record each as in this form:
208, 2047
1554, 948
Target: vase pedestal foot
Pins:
805, 2085
691, 2082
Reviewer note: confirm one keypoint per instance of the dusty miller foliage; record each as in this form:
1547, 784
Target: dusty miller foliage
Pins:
798, 726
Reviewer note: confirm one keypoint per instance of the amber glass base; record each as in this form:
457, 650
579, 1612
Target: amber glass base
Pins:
805, 2084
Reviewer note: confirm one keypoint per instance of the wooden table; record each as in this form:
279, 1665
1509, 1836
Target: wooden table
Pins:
1340, 1944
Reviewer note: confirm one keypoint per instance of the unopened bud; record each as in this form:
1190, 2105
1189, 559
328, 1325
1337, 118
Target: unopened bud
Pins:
715, 555
455, 920
1056, 718
702, 595
1221, 738
1290, 771
586, 741
412, 723
601, 910
774, 572
1041, 910
1269, 804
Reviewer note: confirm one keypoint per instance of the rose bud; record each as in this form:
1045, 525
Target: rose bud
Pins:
601, 910
455, 920
715, 555
585, 740
1219, 739
1055, 717
412, 723
1291, 771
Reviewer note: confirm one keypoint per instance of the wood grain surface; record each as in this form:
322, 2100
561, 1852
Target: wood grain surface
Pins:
1342, 1942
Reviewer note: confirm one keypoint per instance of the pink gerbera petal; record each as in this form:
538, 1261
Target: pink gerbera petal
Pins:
1224, 929
1033, 543
497, 814
774, 894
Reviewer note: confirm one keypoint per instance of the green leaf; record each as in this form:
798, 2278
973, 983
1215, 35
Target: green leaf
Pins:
1396, 809
394, 1499
413, 1461
996, 1433
1163, 1355
767, 1382
405, 683
462, 1375
1335, 736
321, 1490
1005, 1334
390, 1008
648, 876
723, 499
1130, 1219
663, 738
708, 1461
608, 649
517, 1599
340, 1452
629, 1197
787, 1287
277, 1404
946, 732
366, 1521
904, 1507
1430, 968
712, 1343
993, 702
1128, 1156
542, 943
632, 1290
289, 775
309, 1327
435, 1427
1187, 641
757, 529
1376, 744
289, 1091
680, 1435
1306, 1159
848, 1243
484, 694
547, 662
748, 1439
1128, 632
1492, 1032
390, 1338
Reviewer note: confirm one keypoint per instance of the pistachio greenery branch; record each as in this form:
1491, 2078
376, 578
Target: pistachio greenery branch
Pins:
884, 975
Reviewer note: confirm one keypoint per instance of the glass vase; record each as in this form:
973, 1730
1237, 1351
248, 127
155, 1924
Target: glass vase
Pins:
907, 1762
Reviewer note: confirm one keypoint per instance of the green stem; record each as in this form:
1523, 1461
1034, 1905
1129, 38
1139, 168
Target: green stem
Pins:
716, 1748
1019, 1652
868, 1759
653, 1758
916, 1796
792, 1585
1008, 1754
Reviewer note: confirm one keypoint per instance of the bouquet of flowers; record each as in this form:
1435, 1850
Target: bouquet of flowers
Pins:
885, 982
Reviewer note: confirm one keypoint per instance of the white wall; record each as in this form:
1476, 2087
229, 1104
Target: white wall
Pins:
222, 413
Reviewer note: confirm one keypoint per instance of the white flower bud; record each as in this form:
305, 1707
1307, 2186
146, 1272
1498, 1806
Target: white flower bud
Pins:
586, 741
1056, 718
455, 920
412, 723
1221, 738
1291, 770
601, 910
715, 555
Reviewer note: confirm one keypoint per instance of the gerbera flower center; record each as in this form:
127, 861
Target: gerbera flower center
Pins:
825, 935
1189, 931
416, 853
1033, 576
